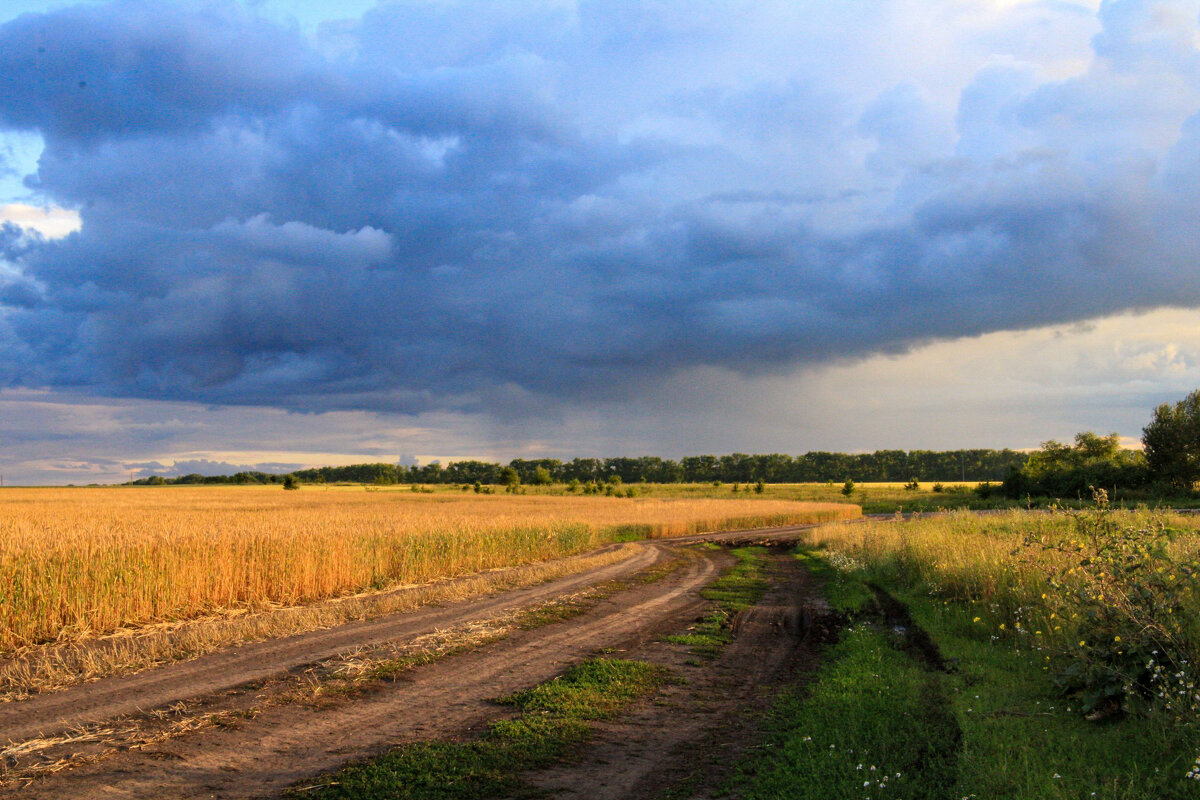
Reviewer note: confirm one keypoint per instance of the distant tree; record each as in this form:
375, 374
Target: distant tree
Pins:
1064, 470
510, 479
542, 477
1172, 442
848, 487
290, 483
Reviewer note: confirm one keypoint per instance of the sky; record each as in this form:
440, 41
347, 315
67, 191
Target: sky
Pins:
293, 232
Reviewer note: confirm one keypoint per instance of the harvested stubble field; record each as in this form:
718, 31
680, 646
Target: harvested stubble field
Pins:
77, 563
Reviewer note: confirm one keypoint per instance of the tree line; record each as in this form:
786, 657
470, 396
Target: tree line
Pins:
814, 467
1168, 464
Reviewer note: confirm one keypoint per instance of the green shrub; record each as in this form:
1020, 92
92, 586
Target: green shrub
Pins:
1135, 638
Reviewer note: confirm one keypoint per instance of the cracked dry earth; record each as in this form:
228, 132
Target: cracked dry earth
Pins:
252, 721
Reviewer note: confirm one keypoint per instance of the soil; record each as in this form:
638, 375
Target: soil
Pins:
684, 744
267, 747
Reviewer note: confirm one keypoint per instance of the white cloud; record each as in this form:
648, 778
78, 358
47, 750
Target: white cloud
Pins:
50, 221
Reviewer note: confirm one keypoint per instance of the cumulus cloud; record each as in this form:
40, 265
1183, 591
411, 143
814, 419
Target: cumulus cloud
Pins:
514, 207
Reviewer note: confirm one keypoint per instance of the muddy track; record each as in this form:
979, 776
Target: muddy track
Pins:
690, 737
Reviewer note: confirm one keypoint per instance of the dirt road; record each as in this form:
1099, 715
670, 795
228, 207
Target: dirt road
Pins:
253, 720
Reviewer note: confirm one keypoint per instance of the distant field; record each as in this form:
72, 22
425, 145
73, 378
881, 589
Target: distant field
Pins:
872, 497
81, 562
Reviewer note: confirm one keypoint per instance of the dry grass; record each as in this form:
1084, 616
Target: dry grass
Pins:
995, 564
79, 563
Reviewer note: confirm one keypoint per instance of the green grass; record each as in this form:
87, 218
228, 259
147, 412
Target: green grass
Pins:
554, 718
1022, 740
874, 724
846, 594
737, 590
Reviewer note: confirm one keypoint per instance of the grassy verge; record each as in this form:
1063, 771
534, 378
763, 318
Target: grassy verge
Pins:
554, 717
846, 594
1020, 737
737, 590
875, 724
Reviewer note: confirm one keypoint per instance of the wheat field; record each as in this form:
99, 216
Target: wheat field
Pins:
76, 563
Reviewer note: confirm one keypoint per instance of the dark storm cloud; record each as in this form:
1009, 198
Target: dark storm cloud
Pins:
480, 206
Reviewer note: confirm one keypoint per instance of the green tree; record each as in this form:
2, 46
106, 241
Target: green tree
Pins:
1064, 470
1172, 442
510, 479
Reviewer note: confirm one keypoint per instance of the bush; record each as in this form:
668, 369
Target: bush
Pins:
1133, 641
290, 483
848, 487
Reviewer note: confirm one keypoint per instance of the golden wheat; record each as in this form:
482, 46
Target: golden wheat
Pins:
75, 563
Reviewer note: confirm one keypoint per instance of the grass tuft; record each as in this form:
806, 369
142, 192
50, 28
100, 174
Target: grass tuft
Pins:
554, 718
737, 590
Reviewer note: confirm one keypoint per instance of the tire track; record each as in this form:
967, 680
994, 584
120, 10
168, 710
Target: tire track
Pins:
52, 714
284, 744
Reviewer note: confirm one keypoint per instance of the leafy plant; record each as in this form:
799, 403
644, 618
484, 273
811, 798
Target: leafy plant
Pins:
1128, 598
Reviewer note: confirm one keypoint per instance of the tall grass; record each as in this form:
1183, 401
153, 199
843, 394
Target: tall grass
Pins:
80, 562
1109, 599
